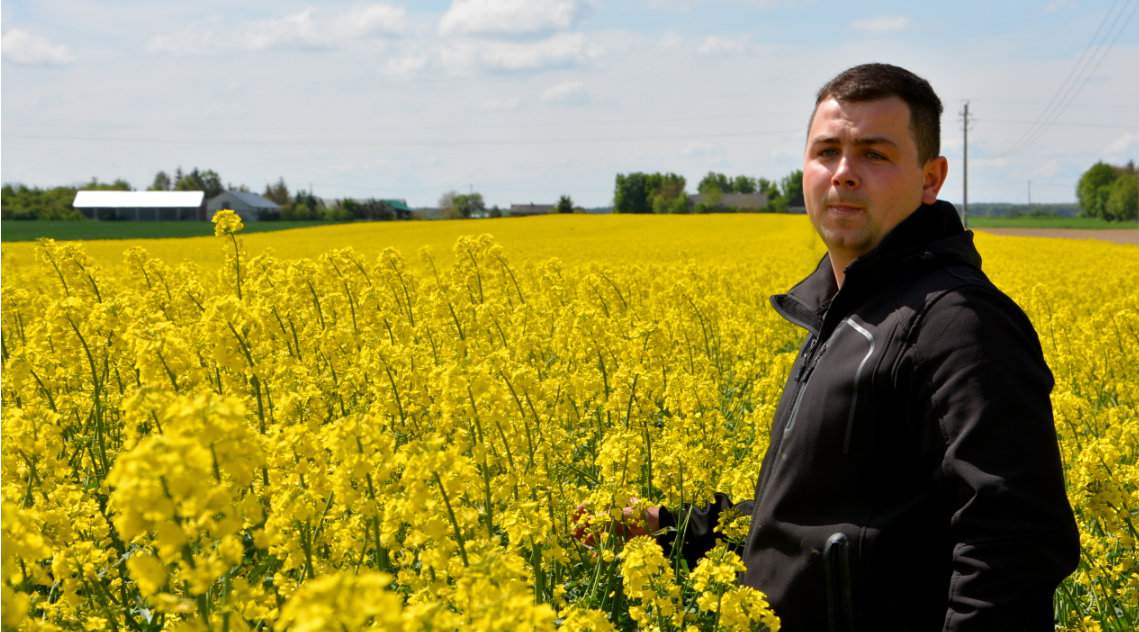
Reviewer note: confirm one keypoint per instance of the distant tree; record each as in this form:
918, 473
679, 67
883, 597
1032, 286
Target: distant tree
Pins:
161, 182
278, 192
118, 185
447, 204
1094, 187
304, 206
631, 194
715, 181
456, 205
769, 189
369, 209
791, 188
22, 202
743, 184
1123, 198
495, 211
207, 181
650, 193
668, 194
469, 204
565, 204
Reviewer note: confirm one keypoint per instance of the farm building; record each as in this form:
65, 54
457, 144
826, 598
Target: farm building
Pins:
731, 201
141, 205
250, 206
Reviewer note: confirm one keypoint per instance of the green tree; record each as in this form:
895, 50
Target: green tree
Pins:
207, 181
470, 204
306, 206
650, 193
668, 194
161, 182
278, 192
1093, 189
1123, 198
457, 204
565, 204
23, 202
631, 194
770, 190
715, 181
791, 188
744, 184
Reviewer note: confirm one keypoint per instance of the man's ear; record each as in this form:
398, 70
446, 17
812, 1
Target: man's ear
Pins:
933, 176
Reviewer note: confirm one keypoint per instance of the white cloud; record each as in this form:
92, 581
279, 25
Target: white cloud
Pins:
883, 24
22, 47
715, 45
566, 93
307, 28
559, 51
405, 64
502, 105
190, 40
1125, 146
511, 17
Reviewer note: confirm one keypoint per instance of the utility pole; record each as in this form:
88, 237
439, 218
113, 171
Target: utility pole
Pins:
1030, 192
965, 170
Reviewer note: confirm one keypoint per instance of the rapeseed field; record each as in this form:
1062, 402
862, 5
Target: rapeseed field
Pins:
394, 425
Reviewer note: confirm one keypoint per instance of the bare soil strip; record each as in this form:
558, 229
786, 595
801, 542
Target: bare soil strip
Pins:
1117, 235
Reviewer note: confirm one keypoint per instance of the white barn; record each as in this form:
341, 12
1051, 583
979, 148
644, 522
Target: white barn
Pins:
141, 205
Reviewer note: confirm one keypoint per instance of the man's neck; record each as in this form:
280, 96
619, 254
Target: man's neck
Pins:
838, 266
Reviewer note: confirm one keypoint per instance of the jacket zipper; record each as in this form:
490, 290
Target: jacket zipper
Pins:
802, 377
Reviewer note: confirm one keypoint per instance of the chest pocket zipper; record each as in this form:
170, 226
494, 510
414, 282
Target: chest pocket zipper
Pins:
865, 333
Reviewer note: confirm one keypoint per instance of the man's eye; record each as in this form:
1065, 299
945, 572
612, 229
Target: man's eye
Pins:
873, 155
828, 152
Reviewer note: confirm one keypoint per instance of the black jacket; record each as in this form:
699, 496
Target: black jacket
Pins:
917, 422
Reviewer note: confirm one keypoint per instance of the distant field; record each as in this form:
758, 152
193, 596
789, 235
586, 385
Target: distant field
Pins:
979, 221
21, 230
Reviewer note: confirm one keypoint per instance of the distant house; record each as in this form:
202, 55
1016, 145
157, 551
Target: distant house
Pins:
522, 210
250, 206
399, 207
730, 201
141, 205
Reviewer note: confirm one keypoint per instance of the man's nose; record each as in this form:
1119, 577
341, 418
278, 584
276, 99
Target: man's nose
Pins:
844, 175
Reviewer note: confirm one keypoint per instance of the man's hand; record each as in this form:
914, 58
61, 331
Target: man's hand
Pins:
628, 527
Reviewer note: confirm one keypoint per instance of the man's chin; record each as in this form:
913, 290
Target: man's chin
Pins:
853, 242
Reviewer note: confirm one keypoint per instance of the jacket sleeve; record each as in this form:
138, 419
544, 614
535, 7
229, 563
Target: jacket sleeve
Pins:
695, 527
982, 380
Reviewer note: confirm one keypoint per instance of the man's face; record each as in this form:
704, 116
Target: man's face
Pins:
861, 174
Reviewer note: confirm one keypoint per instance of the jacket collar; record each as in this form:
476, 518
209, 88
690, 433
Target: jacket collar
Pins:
932, 233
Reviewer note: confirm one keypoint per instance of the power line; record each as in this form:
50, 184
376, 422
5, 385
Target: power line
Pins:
1081, 72
1056, 124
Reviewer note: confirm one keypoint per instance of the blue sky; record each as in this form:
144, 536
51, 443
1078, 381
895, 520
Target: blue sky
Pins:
525, 100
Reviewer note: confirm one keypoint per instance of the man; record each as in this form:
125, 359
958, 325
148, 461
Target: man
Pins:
916, 422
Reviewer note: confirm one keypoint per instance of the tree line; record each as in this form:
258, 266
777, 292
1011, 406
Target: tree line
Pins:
1110, 192
639, 192
55, 203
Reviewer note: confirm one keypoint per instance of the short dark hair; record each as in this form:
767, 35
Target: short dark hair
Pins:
869, 82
